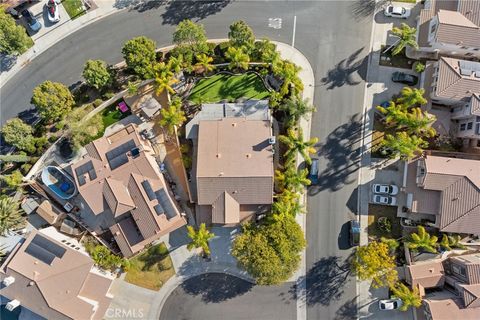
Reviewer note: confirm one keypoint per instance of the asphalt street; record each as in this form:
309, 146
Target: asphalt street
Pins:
333, 35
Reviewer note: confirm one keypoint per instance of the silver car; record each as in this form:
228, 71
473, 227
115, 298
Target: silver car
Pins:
390, 189
384, 200
397, 12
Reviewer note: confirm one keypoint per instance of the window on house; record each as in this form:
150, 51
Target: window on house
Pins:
469, 125
478, 118
477, 129
433, 28
459, 270
463, 126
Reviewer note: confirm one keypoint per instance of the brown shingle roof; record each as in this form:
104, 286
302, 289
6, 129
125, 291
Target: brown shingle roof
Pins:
455, 28
428, 275
452, 84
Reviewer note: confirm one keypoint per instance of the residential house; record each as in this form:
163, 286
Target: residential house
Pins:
122, 190
454, 86
445, 191
234, 162
450, 288
449, 27
54, 280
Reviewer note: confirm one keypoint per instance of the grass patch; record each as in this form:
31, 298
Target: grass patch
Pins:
111, 115
377, 211
151, 269
74, 8
398, 61
227, 87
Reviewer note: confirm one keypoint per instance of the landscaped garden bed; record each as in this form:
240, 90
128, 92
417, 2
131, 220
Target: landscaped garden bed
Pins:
151, 269
74, 8
397, 61
375, 230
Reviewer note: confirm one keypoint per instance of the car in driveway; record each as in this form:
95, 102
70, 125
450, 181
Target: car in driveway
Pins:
354, 233
384, 200
389, 304
31, 20
390, 189
405, 78
397, 12
53, 13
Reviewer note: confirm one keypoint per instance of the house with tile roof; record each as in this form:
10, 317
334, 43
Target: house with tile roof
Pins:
449, 27
234, 162
446, 191
54, 278
122, 191
450, 287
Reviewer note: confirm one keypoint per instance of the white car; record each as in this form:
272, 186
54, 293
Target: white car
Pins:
385, 200
385, 188
390, 304
397, 12
53, 12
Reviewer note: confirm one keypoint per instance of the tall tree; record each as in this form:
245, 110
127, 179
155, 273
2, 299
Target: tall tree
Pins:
238, 58
291, 179
407, 38
96, 73
81, 130
288, 72
173, 116
139, 54
10, 216
19, 134
294, 109
422, 240
409, 297
53, 100
295, 142
204, 63
374, 262
199, 238
14, 39
402, 145
266, 51
287, 202
412, 97
190, 39
175, 64
241, 36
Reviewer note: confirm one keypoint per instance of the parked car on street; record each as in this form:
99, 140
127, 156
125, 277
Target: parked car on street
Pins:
405, 78
390, 304
397, 12
31, 20
313, 172
354, 233
385, 200
385, 188
52, 11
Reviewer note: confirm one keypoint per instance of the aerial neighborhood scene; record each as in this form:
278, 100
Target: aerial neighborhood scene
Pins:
248, 159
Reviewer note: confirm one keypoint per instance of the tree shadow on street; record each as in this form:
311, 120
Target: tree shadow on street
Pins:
7, 62
348, 311
343, 154
196, 10
139, 5
324, 281
344, 71
363, 9
216, 287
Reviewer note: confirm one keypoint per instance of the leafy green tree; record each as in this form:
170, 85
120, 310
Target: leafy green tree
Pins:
412, 97
419, 67
13, 180
450, 242
204, 63
53, 100
374, 262
287, 202
139, 54
18, 158
10, 216
402, 145
391, 243
104, 258
81, 130
409, 297
294, 109
266, 51
288, 72
291, 179
422, 240
132, 88
175, 64
241, 36
173, 116
270, 253
190, 39
295, 142
407, 38
19, 134
199, 238
14, 39
164, 78
238, 58
96, 74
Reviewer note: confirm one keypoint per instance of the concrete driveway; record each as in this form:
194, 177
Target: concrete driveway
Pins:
371, 310
39, 10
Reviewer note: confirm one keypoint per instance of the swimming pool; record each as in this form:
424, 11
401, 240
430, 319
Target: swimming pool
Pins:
59, 182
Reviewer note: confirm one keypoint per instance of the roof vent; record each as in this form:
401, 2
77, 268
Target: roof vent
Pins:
431, 270
221, 173
8, 281
234, 124
248, 155
218, 155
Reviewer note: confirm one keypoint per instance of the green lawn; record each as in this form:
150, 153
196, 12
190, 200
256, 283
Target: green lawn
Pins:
151, 269
110, 115
74, 8
226, 87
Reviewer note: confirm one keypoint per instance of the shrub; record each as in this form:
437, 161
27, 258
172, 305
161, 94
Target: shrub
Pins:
418, 67
13, 180
19, 134
53, 100
108, 95
25, 168
97, 103
41, 143
384, 224
52, 139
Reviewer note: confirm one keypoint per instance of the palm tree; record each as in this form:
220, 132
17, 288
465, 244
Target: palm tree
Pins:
173, 116
10, 216
445, 243
294, 109
291, 179
450, 242
392, 113
199, 238
175, 64
295, 143
204, 63
410, 298
392, 244
423, 240
407, 38
287, 202
132, 88
288, 71
238, 58
165, 83
411, 97
402, 145
419, 122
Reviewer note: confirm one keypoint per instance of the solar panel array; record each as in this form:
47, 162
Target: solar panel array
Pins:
148, 190
469, 67
167, 205
44, 250
86, 168
118, 156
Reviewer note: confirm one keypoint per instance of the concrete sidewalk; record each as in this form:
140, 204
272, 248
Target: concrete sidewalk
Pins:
64, 29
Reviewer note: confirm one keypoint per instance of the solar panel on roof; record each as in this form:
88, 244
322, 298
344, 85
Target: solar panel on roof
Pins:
148, 190
118, 156
159, 209
44, 250
163, 198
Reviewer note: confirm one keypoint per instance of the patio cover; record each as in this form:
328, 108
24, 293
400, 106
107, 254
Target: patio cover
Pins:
150, 106
46, 211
